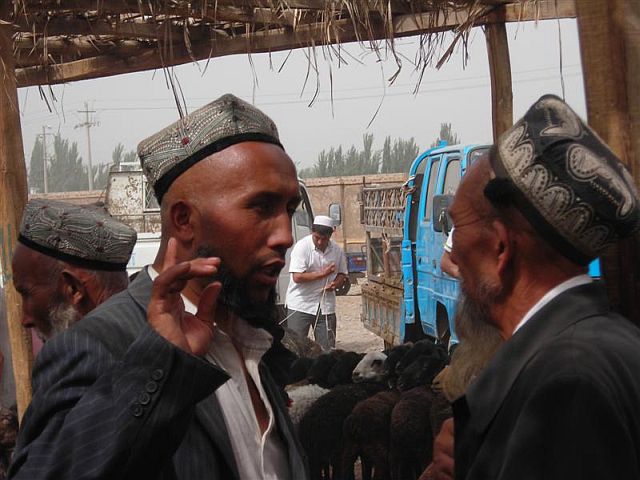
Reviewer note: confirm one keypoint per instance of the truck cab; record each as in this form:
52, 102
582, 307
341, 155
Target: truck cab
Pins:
429, 294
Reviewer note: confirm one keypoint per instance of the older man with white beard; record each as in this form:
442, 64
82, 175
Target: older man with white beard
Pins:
559, 400
69, 260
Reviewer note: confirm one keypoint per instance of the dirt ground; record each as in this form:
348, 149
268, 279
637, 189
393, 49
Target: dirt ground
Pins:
351, 335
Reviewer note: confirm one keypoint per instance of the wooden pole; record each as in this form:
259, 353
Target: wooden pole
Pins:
13, 196
500, 70
610, 46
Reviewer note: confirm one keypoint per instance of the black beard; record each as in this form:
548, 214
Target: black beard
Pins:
234, 295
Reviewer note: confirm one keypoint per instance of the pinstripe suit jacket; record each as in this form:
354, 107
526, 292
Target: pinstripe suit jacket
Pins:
114, 400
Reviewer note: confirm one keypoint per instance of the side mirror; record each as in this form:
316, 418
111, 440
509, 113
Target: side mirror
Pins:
441, 220
335, 212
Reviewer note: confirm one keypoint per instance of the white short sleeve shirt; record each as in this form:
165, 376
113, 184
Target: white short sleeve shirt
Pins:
308, 296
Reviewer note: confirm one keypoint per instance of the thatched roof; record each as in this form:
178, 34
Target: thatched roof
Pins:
64, 40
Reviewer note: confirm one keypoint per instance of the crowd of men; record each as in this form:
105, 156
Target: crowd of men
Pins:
177, 374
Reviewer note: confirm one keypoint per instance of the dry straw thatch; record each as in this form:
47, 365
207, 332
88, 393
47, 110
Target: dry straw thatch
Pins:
63, 40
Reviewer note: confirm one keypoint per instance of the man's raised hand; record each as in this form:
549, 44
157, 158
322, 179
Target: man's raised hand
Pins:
166, 313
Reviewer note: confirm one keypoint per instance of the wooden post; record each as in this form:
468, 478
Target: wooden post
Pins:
13, 196
500, 70
610, 51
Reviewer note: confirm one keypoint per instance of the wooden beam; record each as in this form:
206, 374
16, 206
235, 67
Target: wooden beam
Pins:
13, 196
609, 38
500, 70
341, 31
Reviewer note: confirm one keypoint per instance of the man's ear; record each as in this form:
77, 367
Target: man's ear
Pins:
183, 220
73, 288
504, 248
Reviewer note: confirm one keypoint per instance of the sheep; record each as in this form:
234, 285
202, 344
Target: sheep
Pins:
299, 369
366, 434
423, 370
320, 428
411, 435
370, 369
342, 370
423, 347
393, 357
300, 400
319, 371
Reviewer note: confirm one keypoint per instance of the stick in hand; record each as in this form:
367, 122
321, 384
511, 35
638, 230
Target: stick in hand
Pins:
166, 313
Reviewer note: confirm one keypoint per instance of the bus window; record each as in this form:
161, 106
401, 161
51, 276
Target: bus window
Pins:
433, 176
451, 177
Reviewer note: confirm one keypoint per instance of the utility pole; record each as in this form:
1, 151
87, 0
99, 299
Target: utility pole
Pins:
43, 135
87, 124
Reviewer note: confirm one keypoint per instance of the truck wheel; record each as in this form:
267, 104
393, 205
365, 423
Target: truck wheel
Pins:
344, 288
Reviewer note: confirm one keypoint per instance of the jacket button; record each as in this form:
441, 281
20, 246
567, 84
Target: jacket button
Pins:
137, 410
157, 374
151, 387
144, 398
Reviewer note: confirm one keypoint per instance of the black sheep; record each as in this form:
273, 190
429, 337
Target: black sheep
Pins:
366, 435
342, 370
394, 355
422, 370
320, 428
419, 349
411, 435
319, 371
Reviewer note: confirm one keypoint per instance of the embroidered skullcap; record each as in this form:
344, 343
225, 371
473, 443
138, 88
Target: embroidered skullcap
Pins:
210, 129
82, 235
323, 221
565, 180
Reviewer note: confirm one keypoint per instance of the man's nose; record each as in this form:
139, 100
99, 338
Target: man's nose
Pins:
282, 236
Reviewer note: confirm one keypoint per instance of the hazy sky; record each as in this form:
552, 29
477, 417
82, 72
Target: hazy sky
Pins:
131, 107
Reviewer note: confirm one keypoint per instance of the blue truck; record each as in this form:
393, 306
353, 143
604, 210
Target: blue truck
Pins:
407, 297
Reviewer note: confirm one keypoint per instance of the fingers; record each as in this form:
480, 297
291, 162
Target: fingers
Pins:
171, 254
174, 278
207, 303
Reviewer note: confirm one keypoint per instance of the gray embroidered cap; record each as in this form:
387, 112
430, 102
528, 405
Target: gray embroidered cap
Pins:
210, 129
81, 235
565, 180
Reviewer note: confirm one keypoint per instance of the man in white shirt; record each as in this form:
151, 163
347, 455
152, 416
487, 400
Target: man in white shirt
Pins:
560, 398
318, 266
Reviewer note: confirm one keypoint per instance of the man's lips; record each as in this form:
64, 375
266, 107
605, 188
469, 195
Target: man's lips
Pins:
270, 271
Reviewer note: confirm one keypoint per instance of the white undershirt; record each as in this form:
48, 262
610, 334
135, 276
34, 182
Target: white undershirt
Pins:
551, 294
257, 456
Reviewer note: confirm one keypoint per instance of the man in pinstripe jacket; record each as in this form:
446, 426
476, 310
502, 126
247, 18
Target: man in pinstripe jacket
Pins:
169, 379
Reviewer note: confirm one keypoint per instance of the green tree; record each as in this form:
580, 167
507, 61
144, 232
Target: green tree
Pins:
398, 156
36, 167
119, 155
66, 173
447, 134
335, 162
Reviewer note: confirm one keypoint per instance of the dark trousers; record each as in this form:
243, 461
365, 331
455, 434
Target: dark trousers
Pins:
324, 328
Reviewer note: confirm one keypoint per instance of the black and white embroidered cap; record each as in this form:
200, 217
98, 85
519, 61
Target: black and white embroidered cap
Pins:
226, 121
82, 235
566, 181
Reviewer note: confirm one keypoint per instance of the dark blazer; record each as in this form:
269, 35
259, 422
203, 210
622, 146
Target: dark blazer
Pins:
560, 400
114, 400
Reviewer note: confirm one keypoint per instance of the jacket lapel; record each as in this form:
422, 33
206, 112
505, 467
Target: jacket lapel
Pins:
487, 393
210, 416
